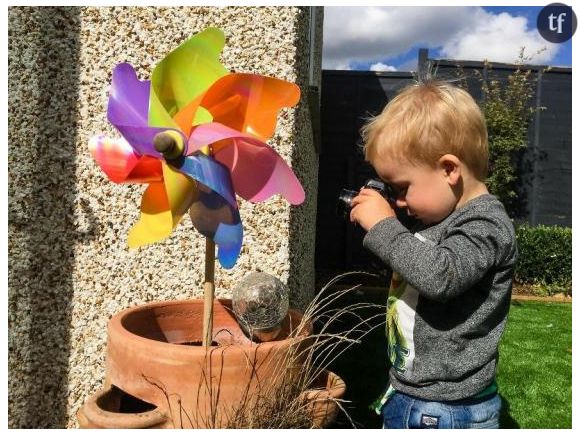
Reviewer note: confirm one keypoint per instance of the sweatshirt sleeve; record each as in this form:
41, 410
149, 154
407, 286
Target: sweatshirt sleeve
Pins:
440, 272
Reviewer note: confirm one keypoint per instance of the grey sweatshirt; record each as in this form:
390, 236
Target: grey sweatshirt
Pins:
445, 319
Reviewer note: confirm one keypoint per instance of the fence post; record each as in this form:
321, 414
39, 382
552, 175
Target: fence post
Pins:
535, 153
422, 64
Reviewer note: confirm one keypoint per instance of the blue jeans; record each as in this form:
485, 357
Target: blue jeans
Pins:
406, 412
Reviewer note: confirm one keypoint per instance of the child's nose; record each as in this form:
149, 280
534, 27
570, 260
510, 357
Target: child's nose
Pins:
401, 203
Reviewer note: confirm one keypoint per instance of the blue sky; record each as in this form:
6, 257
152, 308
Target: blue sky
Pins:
388, 38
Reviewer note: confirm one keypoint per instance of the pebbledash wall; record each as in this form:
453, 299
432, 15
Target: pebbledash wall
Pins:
70, 268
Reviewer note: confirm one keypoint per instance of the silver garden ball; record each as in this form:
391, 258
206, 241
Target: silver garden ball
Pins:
260, 303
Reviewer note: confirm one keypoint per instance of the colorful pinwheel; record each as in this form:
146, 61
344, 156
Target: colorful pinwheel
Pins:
196, 134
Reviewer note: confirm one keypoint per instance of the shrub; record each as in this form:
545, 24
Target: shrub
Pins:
545, 257
508, 106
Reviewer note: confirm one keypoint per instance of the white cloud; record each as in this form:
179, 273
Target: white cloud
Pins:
499, 38
375, 34
379, 66
342, 66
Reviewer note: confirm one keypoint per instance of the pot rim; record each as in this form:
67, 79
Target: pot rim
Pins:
116, 328
100, 416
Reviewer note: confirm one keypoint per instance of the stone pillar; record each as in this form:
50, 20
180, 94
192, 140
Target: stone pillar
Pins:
69, 265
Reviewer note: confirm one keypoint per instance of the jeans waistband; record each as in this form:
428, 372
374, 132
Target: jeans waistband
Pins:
486, 394
471, 400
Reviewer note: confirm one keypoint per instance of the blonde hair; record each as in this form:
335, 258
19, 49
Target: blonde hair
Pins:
426, 121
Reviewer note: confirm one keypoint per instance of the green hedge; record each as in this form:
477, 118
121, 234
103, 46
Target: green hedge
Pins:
545, 257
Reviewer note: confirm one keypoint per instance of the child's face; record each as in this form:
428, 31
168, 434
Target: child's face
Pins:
425, 191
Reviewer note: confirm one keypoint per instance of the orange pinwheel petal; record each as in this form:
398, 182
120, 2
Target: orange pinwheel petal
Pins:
249, 103
192, 114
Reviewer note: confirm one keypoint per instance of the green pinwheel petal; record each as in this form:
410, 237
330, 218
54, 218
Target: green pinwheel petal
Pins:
202, 116
184, 74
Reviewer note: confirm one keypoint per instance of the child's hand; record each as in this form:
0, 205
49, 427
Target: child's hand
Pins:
369, 208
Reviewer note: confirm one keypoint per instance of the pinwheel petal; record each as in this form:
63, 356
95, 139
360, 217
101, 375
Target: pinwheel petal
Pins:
214, 213
228, 238
257, 171
183, 75
215, 218
128, 110
121, 163
208, 172
129, 97
192, 114
162, 207
156, 221
250, 103
181, 192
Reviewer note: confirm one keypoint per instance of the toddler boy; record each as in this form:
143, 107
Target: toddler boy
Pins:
452, 275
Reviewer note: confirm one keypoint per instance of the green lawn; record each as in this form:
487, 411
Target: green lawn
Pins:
535, 367
534, 374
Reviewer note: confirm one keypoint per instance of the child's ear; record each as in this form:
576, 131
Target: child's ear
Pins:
450, 164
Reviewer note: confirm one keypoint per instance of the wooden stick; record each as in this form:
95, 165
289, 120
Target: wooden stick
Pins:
208, 288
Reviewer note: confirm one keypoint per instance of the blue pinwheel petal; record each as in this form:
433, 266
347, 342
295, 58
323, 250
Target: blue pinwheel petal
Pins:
214, 212
215, 218
229, 241
210, 172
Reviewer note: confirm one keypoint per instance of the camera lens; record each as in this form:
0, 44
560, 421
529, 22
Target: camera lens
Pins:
345, 201
346, 196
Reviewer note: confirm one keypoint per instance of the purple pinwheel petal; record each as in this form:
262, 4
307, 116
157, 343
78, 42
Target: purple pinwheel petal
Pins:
128, 110
129, 100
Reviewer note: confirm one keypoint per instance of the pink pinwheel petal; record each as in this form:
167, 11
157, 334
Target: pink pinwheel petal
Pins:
258, 172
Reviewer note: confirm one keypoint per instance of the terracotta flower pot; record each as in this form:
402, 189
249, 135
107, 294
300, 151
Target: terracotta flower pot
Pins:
112, 408
154, 354
322, 398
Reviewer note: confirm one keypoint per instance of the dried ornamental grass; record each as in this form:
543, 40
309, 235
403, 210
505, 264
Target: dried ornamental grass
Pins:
293, 397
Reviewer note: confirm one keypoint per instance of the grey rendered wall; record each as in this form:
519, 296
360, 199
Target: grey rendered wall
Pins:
69, 265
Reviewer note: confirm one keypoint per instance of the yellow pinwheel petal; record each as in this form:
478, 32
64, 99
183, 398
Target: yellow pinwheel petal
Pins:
156, 221
181, 192
162, 207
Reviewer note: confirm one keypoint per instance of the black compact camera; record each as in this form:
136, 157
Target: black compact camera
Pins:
346, 196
